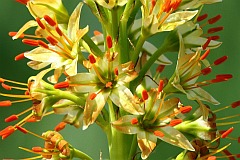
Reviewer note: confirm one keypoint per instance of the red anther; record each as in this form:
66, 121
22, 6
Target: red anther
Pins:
11, 118
205, 54
43, 44
116, 71
92, 96
175, 122
160, 68
1, 80
175, 5
238, 139
185, 109
153, 2
220, 60
26, 92
134, 121
216, 29
144, 95
224, 76
49, 20
225, 134
7, 87
5, 103
30, 42
205, 45
160, 86
40, 24
235, 104
60, 126
206, 71
109, 41
238, 155
212, 158
96, 33
21, 129
7, 132
52, 40
215, 38
37, 149
158, 134
22, 1
59, 85
58, 31
14, 34
92, 59
166, 6
217, 80
19, 57
202, 17
214, 19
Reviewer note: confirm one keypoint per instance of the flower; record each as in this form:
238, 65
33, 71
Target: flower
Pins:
63, 52
164, 18
157, 123
192, 4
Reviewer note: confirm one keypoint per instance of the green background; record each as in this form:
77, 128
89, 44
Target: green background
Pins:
13, 15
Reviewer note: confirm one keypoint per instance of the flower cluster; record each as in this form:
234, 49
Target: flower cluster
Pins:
109, 78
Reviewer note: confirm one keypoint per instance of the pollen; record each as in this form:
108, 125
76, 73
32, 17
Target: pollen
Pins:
40, 24
49, 20
60, 126
11, 118
215, 29
12, 34
6, 103
158, 134
212, 158
92, 96
37, 149
92, 59
144, 95
61, 85
235, 104
109, 41
52, 40
134, 121
185, 109
30, 42
19, 57
202, 17
214, 19
206, 71
5, 86
226, 133
205, 54
220, 60
175, 122
160, 86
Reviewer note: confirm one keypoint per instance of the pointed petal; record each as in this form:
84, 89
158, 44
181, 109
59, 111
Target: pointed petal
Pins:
123, 97
176, 138
25, 27
93, 108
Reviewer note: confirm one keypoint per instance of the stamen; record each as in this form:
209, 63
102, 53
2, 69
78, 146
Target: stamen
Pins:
160, 86
60, 85
15, 95
30, 42
212, 158
7, 87
166, 6
92, 96
225, 134
11, 118
202, 17
43, 44
220, 60
144, 95
160, 68
205, 54
206, 43
60, 33
19, 57
158, 134
175, 4
37, 149
116, 71
214, 37
52, 40
21, 129
6, 103
216, 29
60, 126
12, 34
185, 109
92, 59
224, 76
206, 71
235, 104
96, 33
40, 24
109, 41
175, 122
50, 20
108, 85
134, 121
214, 19
7, 80
7, 132
153, 3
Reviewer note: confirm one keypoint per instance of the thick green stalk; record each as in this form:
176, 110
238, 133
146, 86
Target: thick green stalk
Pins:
134, 57
94, 48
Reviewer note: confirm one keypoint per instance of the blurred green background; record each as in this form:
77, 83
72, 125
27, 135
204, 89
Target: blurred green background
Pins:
13, 15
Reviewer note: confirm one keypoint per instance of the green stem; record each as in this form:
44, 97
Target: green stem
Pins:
164, 48
81, 155
115, 22
94, 48
138, 48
